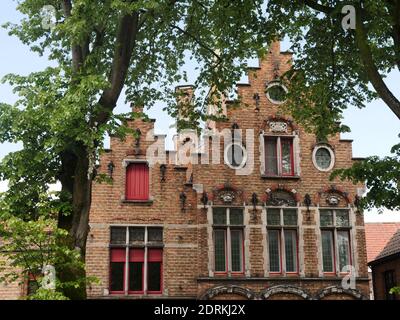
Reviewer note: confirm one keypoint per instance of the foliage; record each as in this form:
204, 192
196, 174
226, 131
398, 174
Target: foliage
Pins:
381, 177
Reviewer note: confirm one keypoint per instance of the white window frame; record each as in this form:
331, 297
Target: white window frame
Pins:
281, 228
228, 244
314, 157
334, 228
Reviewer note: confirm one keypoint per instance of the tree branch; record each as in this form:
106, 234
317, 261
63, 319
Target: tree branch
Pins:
372, 71
77, 55
124, 44
317, 6
197, 41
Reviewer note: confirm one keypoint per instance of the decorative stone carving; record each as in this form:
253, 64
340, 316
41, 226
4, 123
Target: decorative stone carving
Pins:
332, 200
281, 198
278, 126
227, 196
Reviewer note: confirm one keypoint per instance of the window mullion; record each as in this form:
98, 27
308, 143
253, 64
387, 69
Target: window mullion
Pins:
126, 278
279, 156
229, 251
145, 261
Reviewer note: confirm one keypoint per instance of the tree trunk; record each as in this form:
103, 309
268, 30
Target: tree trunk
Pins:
81, 200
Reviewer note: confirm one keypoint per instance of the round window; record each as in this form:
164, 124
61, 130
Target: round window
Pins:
323, 158
235, 156
276, 93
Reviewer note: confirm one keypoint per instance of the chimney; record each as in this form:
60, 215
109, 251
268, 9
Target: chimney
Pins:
184, 100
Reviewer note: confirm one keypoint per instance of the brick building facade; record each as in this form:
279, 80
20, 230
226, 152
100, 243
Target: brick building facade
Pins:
262, 222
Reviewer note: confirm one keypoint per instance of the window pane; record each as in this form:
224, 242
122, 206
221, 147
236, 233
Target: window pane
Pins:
236, 216
235, 155
327, 251
273, 217
136, 234
287, 167
290, 217
326, 218
219, 247
274, 251
291, 250
154, 276
323, 158
154, 234
117, 276
136, 276
342, 218
237, 250
33, 286
343, 248
219, 216
118, 235
271, 163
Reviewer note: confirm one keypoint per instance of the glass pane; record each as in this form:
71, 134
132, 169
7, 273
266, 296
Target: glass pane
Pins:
118, 235
219, 247
154, 276
117, 276
273, 217
136, 276
277, 93
291, 250
326, 218
343, 248
154, 234
271, 163
274, 251
286, 157
33, 286
327, 251
323, 158
236, 216
342, 218
235, 155
219, 216
136, 234
290, 217
237, 250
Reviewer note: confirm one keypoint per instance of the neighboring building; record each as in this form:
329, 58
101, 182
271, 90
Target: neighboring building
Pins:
264, 224
383, 252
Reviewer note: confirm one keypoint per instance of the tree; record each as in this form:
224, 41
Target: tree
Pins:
332, 70
100, 48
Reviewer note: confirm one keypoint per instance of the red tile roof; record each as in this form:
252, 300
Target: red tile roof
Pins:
377, 236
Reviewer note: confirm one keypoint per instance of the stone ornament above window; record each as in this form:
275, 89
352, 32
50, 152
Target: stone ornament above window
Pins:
333, 197
278, 126
227, 194
323, 157
281, 198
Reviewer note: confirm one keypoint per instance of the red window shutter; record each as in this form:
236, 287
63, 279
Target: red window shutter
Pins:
137, 181
118, 255
155, 255
136, 255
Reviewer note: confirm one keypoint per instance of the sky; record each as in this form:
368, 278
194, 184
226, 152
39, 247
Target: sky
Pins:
375, 129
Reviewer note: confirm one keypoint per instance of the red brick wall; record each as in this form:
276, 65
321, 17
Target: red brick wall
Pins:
186, 238
378, 278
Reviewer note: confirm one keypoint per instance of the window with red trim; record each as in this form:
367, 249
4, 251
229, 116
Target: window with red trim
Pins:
335, 240
137, 181
279, 156
132, 248
282, 240
228, 240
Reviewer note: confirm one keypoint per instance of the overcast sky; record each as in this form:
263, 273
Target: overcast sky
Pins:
375, 129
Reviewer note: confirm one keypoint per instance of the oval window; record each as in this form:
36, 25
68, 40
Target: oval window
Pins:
276, 93
323, 158
235, 156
